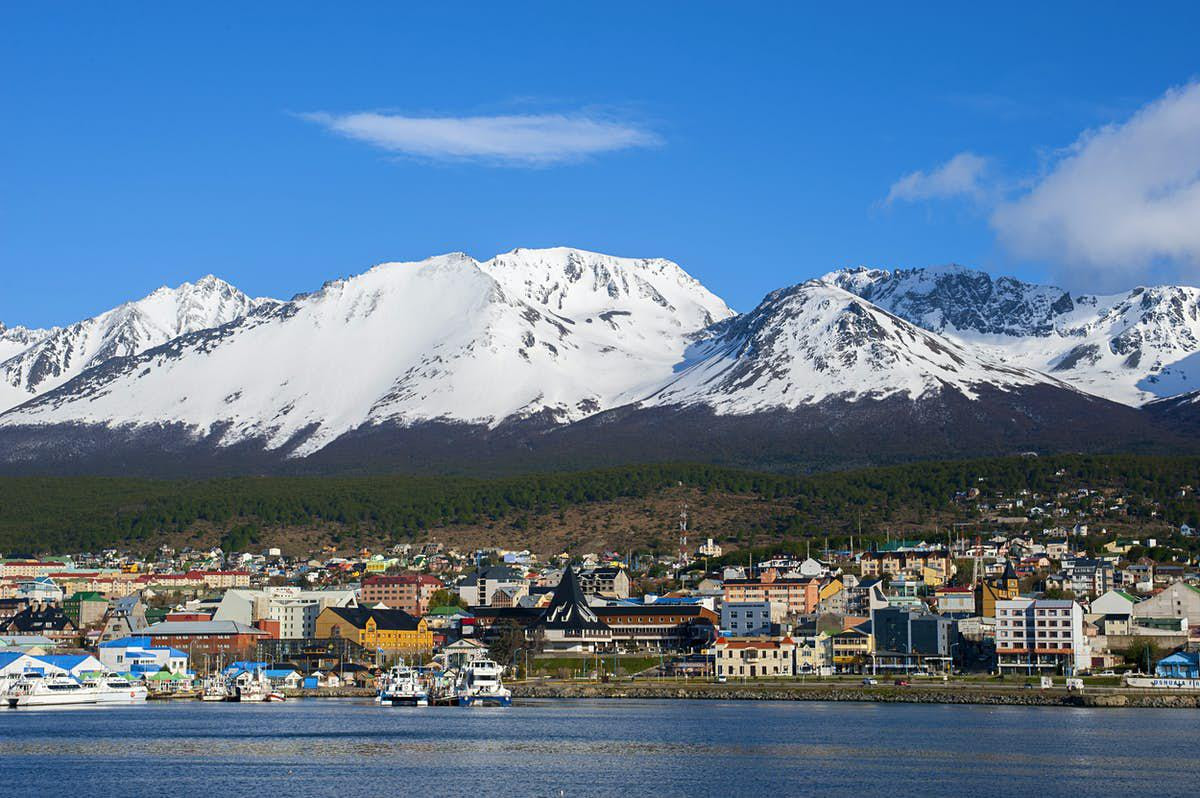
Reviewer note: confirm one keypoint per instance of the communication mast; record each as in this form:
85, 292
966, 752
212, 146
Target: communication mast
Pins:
683, 530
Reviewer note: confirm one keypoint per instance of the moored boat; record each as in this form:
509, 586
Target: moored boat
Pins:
35, 690
402, 686
112, 688
481, 685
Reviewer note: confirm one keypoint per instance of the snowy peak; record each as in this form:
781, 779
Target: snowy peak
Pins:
957, 299
554, 333
575, 282
14, 340
1129, 347
63, 353
816, 341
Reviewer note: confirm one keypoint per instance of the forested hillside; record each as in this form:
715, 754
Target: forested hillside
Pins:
69, 514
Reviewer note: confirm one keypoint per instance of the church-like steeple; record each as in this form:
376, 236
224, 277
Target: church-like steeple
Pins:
568, 611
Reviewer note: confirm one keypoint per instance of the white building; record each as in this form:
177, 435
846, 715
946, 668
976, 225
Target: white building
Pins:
294, 609
1040, 635
754, 658
136, 655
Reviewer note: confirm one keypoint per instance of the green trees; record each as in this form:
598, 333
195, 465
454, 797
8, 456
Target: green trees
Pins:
67, 514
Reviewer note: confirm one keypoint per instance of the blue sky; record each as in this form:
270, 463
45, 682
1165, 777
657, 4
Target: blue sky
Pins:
279, 146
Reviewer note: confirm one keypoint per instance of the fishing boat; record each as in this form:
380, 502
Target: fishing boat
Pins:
481, 685
35, 690
113, 688
215, 689
256, 687
402, 686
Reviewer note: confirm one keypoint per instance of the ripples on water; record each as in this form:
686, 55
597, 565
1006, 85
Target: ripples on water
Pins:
595, 748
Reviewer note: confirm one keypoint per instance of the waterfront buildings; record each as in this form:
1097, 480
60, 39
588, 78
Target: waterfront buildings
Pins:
907, 639
384, 630
1040, 635
568, 623
138, 656
660, 627
753, 657
226, 640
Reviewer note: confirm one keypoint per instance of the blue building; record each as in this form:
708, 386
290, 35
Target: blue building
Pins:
747, 619
1180, 665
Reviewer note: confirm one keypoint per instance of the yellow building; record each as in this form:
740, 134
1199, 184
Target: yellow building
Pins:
1003, 589
390, 631
851, 649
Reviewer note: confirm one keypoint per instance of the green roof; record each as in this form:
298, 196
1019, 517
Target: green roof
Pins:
446, 611
1126, 595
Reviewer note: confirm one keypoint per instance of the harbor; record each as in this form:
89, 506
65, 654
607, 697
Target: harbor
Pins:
586, 747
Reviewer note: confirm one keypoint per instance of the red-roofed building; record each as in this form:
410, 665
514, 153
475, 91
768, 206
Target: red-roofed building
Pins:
408, 592
753, 657
222, 579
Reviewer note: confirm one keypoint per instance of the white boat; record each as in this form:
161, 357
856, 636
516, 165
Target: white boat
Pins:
481, 685
35, 690
402, 686
256, 687
215, 689
112, 688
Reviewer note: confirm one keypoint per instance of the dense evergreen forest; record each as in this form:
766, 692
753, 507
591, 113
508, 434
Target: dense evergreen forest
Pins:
70, 514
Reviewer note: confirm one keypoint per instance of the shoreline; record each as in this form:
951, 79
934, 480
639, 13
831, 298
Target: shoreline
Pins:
1096, 697
914, 694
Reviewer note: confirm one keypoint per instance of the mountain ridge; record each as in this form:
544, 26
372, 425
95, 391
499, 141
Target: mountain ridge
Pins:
548, 357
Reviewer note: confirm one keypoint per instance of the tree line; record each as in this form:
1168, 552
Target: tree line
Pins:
71, 514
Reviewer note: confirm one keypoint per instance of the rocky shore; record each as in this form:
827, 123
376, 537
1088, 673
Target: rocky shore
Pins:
917, 694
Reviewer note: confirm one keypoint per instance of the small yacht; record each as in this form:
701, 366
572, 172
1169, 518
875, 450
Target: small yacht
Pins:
113, 688
35, 690
481, 686
402, 686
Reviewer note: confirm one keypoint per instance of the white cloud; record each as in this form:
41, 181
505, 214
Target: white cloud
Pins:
1122, 203
960, 176
522, 140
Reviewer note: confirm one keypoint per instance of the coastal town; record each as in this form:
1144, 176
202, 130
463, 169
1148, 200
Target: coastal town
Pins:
1062, 606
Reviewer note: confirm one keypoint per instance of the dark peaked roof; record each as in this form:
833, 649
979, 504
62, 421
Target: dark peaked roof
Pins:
397, 620
1009, 573
568, 610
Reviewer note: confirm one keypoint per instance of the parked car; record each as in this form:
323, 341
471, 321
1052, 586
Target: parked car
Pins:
722, 679
870, 681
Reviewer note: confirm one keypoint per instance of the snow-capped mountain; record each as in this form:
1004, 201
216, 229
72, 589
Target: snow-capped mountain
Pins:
51, 358
815, 341
559, 333
14, 340
1130, 347
548, 357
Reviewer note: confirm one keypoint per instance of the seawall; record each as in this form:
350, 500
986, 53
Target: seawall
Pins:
916, 694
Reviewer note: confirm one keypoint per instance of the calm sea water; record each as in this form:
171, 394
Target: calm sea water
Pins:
596, 748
